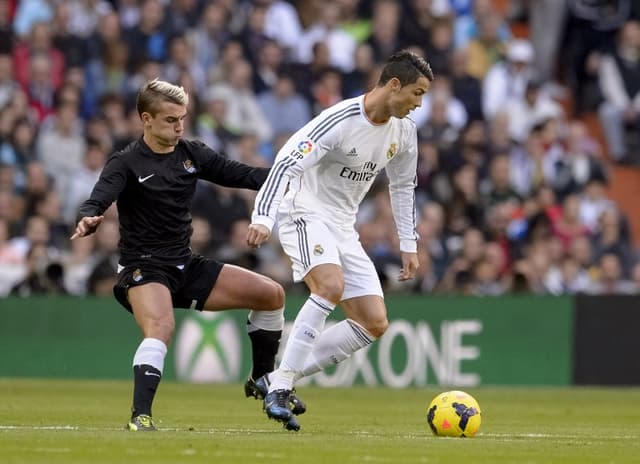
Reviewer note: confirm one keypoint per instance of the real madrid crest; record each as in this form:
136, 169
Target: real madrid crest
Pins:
318, 250
137, 275
393, 149
188, 166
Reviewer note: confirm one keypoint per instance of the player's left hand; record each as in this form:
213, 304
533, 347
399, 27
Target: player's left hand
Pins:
410, 265
257, 234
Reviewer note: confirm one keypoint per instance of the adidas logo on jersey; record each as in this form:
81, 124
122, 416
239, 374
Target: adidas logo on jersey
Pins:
352, 152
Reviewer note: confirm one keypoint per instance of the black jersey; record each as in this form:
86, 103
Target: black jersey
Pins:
154, 191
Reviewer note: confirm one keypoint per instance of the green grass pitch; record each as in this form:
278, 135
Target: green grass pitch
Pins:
72, 421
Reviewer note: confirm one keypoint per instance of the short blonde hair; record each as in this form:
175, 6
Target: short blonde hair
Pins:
156, 91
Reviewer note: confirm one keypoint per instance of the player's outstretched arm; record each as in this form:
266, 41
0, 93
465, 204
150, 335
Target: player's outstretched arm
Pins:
87, 226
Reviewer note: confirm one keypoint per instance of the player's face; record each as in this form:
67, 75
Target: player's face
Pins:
167, 126
405, 99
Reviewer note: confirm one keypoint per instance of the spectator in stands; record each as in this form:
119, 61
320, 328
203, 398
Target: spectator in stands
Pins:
433, 239
211, 124
149, 39
253, 37
6, 28
467, 25
507, 79
487, 48
534, 107
66, 135
38, 43
385, 24
459, 273
590, 32
78, 263
593, 202
612, 238
28, 13
8, 84
268, 67
287, 110
209, 35
569, 226
326, 90
83, 180
37, 184
465, 87
184, 15
107, 75
439, 46
243, 112
182, 61
352, 21
202, 236
619, 76
356, 82
282, 23
12, 263
454, 111
610, 279
497, 187
49, 207
19, 149
69, 35
327, 29
103, 275
44, 274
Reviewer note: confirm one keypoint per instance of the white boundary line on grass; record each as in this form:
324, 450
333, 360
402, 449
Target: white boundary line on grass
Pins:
231, 431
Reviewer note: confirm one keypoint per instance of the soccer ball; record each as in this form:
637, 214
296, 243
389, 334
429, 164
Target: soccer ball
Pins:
454, 414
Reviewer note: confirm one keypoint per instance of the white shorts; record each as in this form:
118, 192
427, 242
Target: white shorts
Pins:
310, 241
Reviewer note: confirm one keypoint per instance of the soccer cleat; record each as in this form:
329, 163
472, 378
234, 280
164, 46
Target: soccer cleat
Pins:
292, 424
259, 388
276, 405
141, 423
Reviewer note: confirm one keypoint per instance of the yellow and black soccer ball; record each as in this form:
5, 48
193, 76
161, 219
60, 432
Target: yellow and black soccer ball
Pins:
454, 414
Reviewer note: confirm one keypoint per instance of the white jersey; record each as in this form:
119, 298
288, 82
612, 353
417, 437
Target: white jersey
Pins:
330, 164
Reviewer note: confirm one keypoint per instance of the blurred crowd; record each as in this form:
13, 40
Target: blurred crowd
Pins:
511, 184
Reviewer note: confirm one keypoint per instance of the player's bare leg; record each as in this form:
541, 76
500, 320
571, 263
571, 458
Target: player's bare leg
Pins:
153, 311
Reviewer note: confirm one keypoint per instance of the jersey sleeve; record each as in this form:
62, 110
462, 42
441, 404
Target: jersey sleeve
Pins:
220, 170
304, 149
401, 171
111, 182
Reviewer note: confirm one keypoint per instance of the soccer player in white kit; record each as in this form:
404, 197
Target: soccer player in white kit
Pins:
313, 191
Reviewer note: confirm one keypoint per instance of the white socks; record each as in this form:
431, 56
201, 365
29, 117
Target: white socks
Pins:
151, 352
306, 330
266, 320
336, 344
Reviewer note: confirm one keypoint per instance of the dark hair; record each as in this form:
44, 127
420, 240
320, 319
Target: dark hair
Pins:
407, 67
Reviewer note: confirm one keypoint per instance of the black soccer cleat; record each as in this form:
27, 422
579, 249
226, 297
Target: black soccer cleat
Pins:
259, 388
141, 423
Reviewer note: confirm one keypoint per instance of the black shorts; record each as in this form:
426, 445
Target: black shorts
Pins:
190, 286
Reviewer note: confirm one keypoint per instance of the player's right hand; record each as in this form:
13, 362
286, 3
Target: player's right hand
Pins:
257, 234
87, 226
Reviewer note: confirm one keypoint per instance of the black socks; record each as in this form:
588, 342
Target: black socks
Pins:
145, 383
264, 347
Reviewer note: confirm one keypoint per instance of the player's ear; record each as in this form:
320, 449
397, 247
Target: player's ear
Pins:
394, 84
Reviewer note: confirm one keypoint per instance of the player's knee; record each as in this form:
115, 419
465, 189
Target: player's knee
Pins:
272, 296
161, 329
278, 296
377, 327
330, 290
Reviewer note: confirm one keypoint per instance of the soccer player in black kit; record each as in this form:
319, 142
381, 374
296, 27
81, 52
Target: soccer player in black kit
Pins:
153, 181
